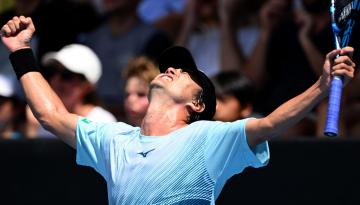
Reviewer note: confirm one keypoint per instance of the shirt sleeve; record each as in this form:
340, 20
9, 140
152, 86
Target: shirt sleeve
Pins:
91, 145
227, 151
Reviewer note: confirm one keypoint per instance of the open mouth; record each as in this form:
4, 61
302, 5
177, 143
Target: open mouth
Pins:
167, 77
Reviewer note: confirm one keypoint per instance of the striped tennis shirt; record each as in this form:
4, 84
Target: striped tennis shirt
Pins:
187, 166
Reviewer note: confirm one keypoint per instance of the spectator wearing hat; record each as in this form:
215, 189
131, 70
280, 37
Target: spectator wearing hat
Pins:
73, 73
11, 110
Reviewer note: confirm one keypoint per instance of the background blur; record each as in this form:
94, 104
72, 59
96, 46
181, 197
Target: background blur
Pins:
259, 54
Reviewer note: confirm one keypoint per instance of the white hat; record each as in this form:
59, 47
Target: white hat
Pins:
78, 59
6, 86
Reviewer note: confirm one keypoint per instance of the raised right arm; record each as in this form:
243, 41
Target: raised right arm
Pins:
43, 101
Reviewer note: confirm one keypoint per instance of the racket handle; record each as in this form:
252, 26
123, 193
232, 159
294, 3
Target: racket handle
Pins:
332, 119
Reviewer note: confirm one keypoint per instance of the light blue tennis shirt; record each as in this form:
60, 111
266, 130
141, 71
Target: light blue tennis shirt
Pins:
187, 166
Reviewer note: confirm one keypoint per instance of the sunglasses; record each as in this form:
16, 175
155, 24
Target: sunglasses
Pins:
4, 99
64, 74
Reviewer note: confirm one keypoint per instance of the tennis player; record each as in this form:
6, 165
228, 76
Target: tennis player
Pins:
178, 155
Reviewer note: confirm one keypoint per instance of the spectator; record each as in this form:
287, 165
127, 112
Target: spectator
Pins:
163, 14
203, 32
351, 109
306, 33
68, 15
151, 11
73, 73
121, 37
11, 111
138, 75
234, 94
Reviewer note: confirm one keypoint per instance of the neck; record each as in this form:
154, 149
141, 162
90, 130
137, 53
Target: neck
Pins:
162, 117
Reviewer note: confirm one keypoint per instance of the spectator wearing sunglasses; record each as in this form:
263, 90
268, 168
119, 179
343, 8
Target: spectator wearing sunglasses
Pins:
73, 73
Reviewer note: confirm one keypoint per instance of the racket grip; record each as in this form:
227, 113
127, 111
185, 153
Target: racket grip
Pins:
332, 119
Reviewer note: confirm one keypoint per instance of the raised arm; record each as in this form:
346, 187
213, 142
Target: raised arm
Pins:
294, 110
271, 14
189, 22
44, 103
313, 55
231, 55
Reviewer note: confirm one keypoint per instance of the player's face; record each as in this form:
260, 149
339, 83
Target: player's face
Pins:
136, 101
177, 84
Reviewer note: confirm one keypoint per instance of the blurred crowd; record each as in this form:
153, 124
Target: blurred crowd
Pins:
100, 56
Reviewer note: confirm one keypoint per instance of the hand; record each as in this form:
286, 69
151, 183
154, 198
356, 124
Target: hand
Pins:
341, 66
191, 13
271, 13
305, 23
17, 33
229, 8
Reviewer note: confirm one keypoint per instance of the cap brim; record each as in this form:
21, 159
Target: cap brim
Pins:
179, 57
176, 57
48, 57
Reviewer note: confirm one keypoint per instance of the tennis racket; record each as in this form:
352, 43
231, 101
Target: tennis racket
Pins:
344, 14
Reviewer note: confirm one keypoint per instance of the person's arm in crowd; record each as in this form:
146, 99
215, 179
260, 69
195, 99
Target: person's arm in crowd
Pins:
313, 55
270, 15
188, 24
44, 103
291, 112
231, 56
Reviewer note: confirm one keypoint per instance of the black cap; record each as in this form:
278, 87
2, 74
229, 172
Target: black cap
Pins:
180, 57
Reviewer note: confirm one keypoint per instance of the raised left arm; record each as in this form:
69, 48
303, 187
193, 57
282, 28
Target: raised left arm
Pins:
291, 112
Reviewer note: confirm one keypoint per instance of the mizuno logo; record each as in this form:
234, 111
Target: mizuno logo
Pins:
144, 154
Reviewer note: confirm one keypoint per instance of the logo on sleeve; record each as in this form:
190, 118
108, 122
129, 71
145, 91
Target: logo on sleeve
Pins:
144, 154
87, 121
